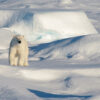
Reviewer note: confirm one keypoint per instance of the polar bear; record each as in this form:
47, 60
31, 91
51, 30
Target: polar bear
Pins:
18, 51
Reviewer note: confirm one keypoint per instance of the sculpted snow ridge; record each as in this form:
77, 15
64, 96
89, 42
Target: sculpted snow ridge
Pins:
43, 27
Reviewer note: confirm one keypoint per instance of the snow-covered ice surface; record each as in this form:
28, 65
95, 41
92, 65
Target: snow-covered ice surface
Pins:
37, 27
64, 69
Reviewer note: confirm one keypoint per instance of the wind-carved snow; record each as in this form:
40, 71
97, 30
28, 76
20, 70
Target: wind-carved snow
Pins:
64, 81
35, 4
81, 48
57, 25
44, 27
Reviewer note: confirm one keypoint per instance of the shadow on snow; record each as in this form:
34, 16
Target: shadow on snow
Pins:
50, 95
66, 42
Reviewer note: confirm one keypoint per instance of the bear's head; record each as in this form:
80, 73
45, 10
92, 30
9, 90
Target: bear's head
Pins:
19, 38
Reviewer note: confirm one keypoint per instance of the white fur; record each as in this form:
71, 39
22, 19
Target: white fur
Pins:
18, 52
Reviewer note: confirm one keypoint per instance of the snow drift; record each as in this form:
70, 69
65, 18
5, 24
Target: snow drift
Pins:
41, 27
81, 48
58, 25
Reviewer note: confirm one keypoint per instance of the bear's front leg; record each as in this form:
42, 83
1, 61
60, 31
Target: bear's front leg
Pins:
12, 60
16, 61
12, 56
26, 61
21, 61
26, 64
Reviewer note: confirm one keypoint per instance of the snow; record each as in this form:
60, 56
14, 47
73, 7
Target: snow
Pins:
33, 4
38, 28
67, 66
65, 25
69, 82
66, 2
5, 37
77, 49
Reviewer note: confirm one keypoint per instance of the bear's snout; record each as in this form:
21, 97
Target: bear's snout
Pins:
19, 41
